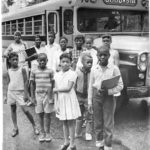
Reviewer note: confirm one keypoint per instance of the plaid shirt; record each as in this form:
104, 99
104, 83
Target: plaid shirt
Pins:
76, 53
75, 56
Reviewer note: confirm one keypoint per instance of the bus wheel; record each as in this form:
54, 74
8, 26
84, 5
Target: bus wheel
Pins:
144, 107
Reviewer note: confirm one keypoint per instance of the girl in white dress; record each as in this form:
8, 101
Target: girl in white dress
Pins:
66, 103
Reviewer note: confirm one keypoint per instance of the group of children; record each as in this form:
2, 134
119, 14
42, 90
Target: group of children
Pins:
71, 87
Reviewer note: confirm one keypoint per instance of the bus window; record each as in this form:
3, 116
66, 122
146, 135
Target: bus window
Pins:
28, 26
94, 20
21, 26
13, 26
68, 21
52, 22
8, 28
3, 28
132, 22
38, 24
145, 23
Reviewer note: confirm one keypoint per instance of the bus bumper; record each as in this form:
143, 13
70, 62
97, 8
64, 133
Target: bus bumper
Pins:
138, 92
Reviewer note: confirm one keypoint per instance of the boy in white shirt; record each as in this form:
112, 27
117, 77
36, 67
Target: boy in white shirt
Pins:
52, 51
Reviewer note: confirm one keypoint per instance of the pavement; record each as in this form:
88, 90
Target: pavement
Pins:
132, 127
26, 140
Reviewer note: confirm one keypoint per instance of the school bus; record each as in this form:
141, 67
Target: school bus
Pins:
126, 20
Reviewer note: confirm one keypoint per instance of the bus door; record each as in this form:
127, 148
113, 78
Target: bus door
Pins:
52, 24
67, 24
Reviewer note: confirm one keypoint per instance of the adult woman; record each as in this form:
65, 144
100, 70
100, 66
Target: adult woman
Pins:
19, 47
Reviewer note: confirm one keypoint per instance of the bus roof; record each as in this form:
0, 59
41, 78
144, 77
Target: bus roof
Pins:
139, 5
56, 4
37, 9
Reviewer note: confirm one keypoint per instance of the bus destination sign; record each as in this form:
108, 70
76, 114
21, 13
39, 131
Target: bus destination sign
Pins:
121, 2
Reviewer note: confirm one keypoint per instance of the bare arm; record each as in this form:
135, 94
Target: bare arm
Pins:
65, 89
50, 89
32, 90
26, 94
33, 87
7, 83
90, 89
7, 51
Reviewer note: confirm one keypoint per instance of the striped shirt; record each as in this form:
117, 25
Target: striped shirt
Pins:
42, 78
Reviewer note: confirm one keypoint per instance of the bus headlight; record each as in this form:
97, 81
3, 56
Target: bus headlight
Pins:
141, 76
142, 66
143, 57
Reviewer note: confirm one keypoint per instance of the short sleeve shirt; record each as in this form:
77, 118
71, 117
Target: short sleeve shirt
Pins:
42, 78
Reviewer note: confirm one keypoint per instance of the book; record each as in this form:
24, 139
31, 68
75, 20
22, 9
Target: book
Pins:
30, 51
110, 83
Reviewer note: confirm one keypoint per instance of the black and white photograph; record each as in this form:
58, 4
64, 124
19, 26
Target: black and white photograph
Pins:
75, 74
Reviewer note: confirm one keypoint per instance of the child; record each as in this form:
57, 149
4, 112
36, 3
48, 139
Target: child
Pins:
17, 91
52, 51
41, 94
91, 50
114, 55
103, 102
82, 83
76, 52
67, 105
63, 48
39, 49
63, 45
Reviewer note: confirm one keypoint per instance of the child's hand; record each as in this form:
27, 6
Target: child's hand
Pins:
103, 91
51, 100
5, 100
33, 100
90, 108
25, 98
55, 90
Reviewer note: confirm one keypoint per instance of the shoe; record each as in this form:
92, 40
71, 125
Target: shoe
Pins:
88, 137
36, 131
48, 137
101, 148
42, 137
100, 143
72, 148
84, 124
15, 132
107, 148
65, 146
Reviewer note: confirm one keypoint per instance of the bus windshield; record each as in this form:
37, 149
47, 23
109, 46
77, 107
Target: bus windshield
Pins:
98, 20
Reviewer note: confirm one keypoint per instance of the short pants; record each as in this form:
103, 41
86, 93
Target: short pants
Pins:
43, 104
14, 97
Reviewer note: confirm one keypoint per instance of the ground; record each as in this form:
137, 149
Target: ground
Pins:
132, 127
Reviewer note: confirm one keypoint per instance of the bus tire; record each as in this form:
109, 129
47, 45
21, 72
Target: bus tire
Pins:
144, 107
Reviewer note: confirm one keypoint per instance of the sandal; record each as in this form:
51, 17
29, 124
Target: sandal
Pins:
65, 146
15, 132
